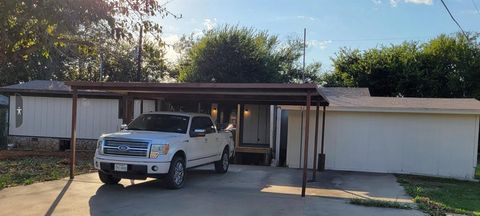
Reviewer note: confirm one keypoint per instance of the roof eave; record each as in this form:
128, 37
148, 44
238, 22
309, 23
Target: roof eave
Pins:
396, 110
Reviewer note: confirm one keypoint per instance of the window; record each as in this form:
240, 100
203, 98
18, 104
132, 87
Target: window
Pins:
202, 123
160, 122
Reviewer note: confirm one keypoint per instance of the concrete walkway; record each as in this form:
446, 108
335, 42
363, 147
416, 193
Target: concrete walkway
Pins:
244, 190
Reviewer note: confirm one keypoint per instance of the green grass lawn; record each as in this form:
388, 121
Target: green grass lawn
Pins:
31, 169
477, 173
437, 196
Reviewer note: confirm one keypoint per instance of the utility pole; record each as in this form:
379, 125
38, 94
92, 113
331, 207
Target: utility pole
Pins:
304, 46
139, 59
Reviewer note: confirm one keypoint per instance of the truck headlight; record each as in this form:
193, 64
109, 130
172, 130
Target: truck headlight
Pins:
157, 150
100, 146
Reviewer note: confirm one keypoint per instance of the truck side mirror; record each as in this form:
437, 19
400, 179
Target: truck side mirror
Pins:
123, 127
198, 133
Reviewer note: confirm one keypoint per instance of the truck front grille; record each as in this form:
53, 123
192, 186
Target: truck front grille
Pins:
126, 148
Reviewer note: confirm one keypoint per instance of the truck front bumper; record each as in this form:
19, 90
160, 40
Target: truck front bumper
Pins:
135, 169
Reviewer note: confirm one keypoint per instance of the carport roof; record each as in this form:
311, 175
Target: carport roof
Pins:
254, 93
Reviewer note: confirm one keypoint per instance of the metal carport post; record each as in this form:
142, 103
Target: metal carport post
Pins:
73, 138
315, 145
305, 149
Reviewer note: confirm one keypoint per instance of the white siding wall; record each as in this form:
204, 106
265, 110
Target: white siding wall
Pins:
51, 117
148, 106
427, 144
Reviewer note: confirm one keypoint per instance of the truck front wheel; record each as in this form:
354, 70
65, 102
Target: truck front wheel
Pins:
108, 179
222, 165
176, 174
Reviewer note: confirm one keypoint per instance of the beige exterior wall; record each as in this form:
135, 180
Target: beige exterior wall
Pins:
51, 117
427, 144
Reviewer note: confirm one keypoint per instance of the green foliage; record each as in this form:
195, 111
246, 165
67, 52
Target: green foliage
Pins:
120, 62
438, 196
379, 203
477, 172
235, 54
64, 39
28, 170
446, 66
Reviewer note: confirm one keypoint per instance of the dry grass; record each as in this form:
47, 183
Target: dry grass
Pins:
23, 168
379, 203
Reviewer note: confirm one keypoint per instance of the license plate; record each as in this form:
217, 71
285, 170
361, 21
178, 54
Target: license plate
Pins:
121, 167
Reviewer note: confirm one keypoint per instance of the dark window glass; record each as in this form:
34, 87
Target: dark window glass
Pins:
196, 124
209, 127
202, 123
160, 122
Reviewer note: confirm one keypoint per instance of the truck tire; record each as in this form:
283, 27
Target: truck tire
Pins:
176, 174
222, 165
108, 179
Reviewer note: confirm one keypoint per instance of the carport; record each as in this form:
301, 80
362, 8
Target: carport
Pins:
238, 93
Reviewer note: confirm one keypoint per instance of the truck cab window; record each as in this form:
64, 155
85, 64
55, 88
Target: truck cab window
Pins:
202, 123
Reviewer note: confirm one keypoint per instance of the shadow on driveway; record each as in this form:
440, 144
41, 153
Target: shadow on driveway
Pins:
59, 197
248, 190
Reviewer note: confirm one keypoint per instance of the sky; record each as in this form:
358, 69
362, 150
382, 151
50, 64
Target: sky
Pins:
330, 24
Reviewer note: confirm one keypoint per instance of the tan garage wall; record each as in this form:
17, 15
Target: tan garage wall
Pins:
51, 117
427, 144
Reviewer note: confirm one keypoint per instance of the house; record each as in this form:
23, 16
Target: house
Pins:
435, 137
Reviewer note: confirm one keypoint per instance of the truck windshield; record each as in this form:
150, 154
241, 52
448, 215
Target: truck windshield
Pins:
160, 122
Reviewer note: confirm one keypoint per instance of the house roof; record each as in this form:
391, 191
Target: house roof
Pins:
339, 98
40, 85
48, 88
344, 92
406, 104
359, 99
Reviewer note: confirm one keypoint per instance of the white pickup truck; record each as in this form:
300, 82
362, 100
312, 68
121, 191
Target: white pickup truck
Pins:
162, 145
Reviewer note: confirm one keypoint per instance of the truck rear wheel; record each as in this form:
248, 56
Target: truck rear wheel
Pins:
176, 174
108, 179
222, 165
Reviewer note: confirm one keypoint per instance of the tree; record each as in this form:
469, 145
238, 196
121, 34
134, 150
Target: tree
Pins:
452, 67
120, 62
446, 66
45, 38
235, 54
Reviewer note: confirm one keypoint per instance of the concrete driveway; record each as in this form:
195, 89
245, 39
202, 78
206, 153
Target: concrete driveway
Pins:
244, 190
